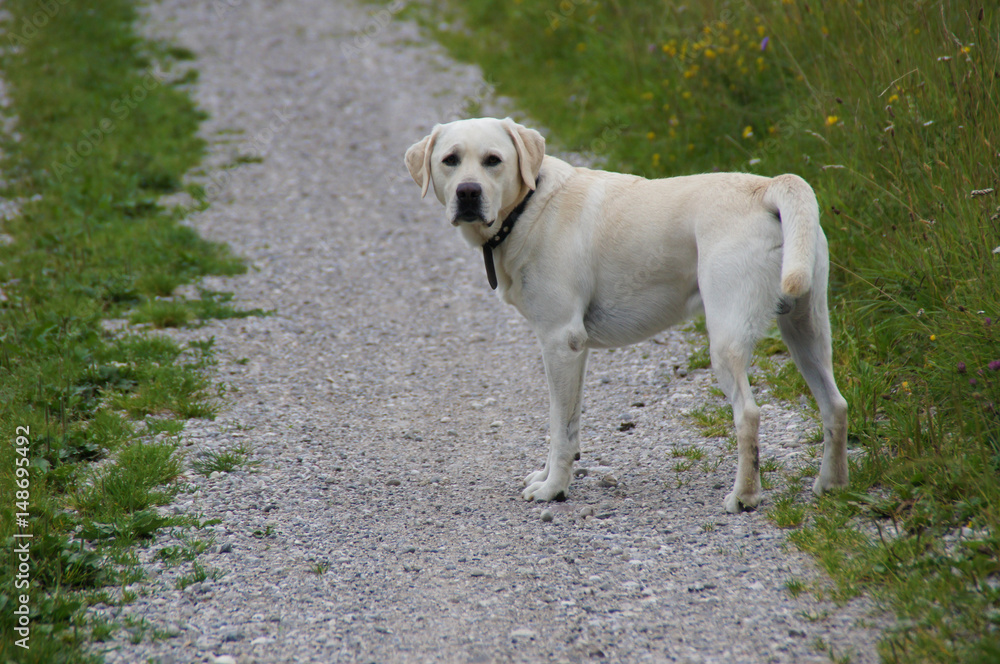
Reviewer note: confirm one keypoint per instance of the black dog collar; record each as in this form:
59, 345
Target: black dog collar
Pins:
505, 229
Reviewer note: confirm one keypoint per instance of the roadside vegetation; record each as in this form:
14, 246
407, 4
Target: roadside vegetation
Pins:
103, 128
892, 112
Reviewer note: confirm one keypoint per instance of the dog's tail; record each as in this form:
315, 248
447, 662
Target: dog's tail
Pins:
792, 199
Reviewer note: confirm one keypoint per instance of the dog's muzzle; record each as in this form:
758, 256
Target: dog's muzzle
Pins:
469, 199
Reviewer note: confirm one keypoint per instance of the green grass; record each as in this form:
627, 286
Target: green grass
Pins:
197, 575
714, 421
101, 138
795, 587
891, 113
223, 461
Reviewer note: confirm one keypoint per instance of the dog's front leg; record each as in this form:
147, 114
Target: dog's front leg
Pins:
565, 363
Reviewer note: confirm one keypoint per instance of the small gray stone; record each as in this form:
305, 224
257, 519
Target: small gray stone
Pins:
232, 635
205, 643
609, 481
546, 515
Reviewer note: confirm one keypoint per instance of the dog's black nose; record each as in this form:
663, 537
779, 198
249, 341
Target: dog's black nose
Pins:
469, 192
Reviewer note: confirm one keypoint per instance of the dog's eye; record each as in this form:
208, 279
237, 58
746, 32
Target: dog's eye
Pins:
450, 160
492, 160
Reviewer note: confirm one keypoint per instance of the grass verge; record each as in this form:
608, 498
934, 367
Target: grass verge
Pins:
103, 132
891, 113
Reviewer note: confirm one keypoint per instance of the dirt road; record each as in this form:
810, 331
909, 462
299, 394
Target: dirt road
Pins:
394, 404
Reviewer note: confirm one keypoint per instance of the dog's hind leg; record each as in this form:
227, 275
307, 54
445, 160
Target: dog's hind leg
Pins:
730, 360
806, 332
565, 365
737, 310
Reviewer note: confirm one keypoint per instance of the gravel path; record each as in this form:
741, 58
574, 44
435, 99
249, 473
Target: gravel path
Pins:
394, 405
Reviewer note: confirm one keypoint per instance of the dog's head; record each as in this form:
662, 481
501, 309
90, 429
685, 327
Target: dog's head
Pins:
477, 168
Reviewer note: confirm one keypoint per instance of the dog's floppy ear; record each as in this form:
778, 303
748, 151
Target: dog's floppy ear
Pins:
530, 147
418, 160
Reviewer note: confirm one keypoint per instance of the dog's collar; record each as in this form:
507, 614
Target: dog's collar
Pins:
501, 235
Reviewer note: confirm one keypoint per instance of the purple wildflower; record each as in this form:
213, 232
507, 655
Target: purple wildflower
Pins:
763, 43
972, 381
961, 367
994, 365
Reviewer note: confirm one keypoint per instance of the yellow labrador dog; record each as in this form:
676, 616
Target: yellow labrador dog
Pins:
594, 259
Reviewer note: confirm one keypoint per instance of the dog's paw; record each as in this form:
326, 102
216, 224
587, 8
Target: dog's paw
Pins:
735, 504
544, 491
537, 477
825, 484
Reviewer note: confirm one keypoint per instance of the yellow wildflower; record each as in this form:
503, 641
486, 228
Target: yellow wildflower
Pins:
933, 337
710, 54
651, 135
831, 120
747, 131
